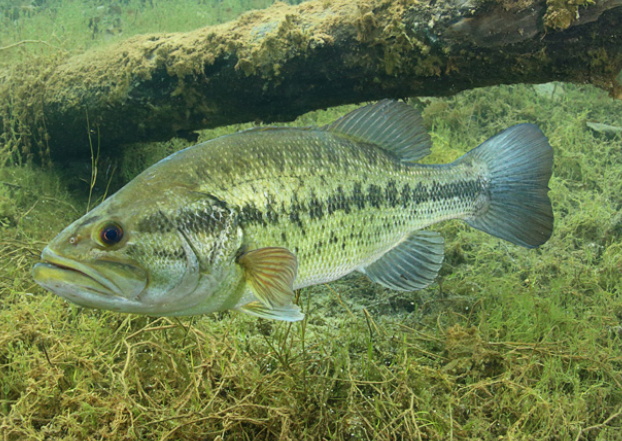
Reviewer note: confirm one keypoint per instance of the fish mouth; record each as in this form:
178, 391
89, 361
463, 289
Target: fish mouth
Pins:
102, 284
61, 269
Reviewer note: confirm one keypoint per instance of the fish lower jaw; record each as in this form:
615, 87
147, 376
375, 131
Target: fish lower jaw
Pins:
88, 297
56, 267
96, 300
85, 292
60, 279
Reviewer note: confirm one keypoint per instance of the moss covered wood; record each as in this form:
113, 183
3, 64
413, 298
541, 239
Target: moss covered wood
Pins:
276, 64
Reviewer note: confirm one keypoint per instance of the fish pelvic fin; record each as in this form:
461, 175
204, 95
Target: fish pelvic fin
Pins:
287, 313
412, 265
517, 207
392, 125
270, 272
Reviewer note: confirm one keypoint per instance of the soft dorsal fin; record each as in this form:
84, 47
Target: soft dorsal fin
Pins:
411, 265
271, 272
392, 125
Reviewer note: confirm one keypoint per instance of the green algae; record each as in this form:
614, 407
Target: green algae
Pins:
560, 14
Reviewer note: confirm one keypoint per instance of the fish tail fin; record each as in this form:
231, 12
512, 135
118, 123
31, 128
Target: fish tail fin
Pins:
518, 163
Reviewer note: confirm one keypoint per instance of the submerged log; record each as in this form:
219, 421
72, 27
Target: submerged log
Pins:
276, 64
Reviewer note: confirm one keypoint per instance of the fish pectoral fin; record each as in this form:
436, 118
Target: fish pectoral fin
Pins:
411, 265
288, 313
270, 272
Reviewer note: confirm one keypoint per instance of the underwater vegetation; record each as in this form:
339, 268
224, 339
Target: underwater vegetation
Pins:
508, 344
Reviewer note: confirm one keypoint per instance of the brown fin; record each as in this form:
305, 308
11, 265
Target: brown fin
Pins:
271, 273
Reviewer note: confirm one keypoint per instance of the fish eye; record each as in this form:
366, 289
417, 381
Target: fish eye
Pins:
111, 233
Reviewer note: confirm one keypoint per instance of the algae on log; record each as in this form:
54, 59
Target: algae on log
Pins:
278, 63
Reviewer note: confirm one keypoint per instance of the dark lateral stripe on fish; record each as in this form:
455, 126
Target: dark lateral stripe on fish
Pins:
205, 221
174, 254
154, 223
190, 220
374, 196
250, 214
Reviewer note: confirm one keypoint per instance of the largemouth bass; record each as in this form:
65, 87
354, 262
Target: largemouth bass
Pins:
242, 221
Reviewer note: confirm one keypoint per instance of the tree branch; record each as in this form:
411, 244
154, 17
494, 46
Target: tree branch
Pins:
276, 64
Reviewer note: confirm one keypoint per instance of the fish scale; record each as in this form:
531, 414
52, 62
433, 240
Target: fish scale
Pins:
328, 245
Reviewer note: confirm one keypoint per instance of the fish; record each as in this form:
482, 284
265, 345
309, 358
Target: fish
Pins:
243, 221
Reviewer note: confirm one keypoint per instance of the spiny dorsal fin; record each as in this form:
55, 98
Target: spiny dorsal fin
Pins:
270, 272
392, 125
411, 265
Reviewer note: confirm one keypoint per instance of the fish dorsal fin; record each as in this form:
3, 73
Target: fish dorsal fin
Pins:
268, 129
270, 273
411, 265
392, 125
287, 313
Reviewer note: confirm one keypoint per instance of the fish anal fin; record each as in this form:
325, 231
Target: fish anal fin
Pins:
411, 265
270, 272
391, 125
288, 313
